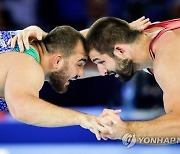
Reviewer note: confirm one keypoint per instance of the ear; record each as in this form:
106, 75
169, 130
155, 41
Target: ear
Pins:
57, 61
119, 51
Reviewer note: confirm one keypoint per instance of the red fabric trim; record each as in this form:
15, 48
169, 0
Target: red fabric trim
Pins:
167, 25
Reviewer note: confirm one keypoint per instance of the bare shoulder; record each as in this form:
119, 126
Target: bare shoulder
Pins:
24, 79
167, 50
25, 69
166, 68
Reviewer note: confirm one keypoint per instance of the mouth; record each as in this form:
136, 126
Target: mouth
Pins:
70, 80
67, 83
114, 73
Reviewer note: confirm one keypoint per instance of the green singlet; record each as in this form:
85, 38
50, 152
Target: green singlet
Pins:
31, 51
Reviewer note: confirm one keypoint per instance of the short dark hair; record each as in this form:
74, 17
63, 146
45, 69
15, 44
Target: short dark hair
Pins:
106, 32
63, 39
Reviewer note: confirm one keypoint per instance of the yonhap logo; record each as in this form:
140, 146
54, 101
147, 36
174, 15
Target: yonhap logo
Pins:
129, 140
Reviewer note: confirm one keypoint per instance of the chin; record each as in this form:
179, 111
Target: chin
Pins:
61, 90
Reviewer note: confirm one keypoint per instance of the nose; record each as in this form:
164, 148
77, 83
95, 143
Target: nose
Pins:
102, 70
80, 72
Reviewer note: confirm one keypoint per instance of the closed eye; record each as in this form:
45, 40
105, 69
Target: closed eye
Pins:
82, 62
98, 61
101, 62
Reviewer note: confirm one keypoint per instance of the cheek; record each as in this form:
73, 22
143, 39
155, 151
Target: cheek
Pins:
111, 65
72, 70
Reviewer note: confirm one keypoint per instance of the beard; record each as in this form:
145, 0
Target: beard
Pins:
58, 79
125, 69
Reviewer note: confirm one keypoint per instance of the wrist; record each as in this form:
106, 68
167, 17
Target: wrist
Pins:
84, 120
123, 129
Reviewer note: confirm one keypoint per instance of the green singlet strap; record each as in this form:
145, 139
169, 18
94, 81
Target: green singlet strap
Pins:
32, 52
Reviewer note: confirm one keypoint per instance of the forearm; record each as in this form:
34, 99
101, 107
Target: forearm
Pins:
165, 126
38, 112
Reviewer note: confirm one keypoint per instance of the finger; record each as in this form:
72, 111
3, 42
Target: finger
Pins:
103, 136
104, 121
39, 36
145, 26
9, 41
20, 43
13, 41
26, 40
112, 116
91, 130
117, 111
96, 132
106, 111
108, 125
108, 120
140, 19
101, 128
113, 120
109, 130
145, 21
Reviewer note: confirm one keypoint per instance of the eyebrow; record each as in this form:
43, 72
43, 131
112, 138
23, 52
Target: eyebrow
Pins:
95, 59
83, 59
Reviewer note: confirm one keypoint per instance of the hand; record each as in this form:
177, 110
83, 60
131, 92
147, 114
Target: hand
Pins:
140, 24
89, 122
24, 36
111, 120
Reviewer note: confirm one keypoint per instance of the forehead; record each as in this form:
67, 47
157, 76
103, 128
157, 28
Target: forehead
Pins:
79, 49
94, 54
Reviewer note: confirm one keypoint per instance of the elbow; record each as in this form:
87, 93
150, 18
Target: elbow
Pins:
19, 114
19, 111
20, 107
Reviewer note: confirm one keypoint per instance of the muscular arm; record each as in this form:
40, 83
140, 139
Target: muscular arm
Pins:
166, 69
24, 80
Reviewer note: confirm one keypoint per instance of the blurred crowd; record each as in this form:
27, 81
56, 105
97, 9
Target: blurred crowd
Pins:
81, 13
141, 92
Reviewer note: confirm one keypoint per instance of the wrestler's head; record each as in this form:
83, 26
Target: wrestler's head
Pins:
66, 51
109, 43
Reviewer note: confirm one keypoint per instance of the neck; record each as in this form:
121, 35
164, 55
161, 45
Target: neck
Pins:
140, 54
44, 57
